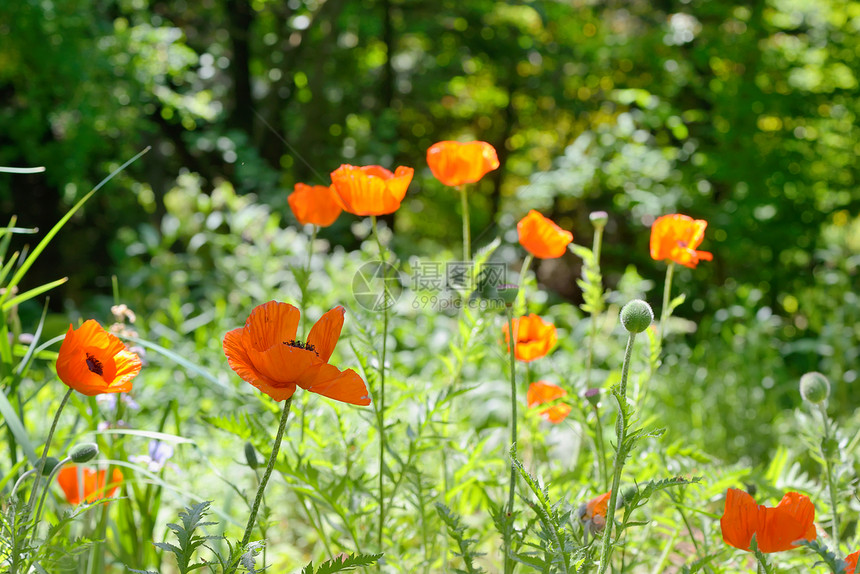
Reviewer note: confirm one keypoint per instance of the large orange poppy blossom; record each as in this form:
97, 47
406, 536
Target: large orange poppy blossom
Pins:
534, 337
93, 361
541, 237
851, 562
456, 163
93, 487
266, 354
314, 204
370, 189
542, 392
676, 236
776, 529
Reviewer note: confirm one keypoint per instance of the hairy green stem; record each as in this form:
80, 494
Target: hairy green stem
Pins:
265, 480
303, 288
509, 563
621, 426
601, 449
828, 469
38, 514
667, 288
380, 411
521, 295
40, 464
592, 328
467, 234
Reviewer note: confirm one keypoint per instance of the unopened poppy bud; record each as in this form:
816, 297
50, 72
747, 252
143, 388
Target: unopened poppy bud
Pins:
814, 387
251, 455
84, 452
508, 293
592, 396
598, 219
50, 464
636, 316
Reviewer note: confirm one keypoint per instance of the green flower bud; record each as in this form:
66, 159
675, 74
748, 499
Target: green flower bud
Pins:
636, 316
251, 455
508, 293
50, 464
598, 219
814, 387
84, 452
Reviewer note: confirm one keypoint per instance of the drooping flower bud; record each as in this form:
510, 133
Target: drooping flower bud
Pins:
636, 316
50, 464
251, 456
508, 293
84, 452
592, 396
814, 387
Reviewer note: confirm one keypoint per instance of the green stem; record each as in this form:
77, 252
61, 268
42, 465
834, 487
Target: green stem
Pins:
601, 449
40, 464
667, 288
509, 563
521, 295
380, 411
828, 469
303, 288
258, 499
38, 514
621, 426
467, 235
592, 329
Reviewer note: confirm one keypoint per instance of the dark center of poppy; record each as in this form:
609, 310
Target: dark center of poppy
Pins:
302, 345
682, 243
94, 365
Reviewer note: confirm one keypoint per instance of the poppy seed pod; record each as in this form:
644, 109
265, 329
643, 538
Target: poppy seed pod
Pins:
50, 464
636, 316
84, 452
814, 387
598, 219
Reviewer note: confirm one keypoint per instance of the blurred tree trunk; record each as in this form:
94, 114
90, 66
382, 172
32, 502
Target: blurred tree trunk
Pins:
241, 18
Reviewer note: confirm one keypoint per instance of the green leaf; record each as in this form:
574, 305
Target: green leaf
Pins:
343, 564
17, 428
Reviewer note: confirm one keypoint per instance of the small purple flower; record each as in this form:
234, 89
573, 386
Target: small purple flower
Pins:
159, 453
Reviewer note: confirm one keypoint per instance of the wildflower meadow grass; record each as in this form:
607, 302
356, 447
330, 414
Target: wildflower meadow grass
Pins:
248, 398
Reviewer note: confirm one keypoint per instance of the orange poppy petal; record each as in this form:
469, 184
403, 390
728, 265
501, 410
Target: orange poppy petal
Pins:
597, 506
346, 386
314, 204
541, 237
93, 361
240, 362
851, 562
790, 521
740, 519
283, 364
370, 190
271, 323
676, 236
542, 392
454, 163
555, 414
326, 332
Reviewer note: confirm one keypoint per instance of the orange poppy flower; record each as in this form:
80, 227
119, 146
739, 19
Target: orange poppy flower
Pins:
675, 237
314, 204
370, 189
456, 163
592, 514
534, 337
776, 529
93, 361
542, 237
542, 392
851, 562
266, 354
94, 487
